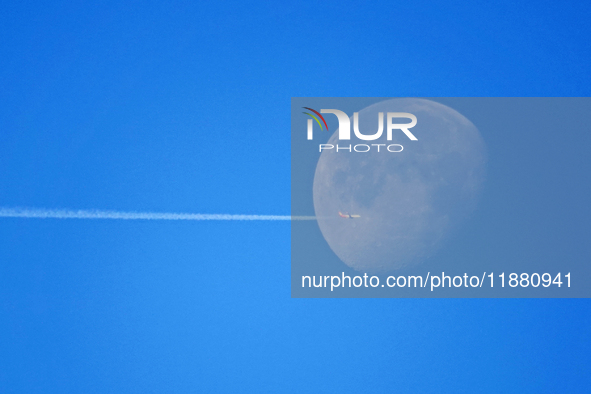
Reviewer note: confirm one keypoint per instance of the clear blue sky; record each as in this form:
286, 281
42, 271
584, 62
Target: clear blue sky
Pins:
184, 107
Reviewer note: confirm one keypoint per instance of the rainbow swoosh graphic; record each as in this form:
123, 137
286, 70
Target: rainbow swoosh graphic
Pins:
315, 118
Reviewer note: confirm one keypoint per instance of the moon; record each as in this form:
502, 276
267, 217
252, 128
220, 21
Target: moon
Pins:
408, 202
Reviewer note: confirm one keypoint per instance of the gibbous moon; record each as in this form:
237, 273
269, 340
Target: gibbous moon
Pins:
407, 202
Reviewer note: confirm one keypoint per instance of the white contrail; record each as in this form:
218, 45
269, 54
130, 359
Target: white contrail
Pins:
96, 214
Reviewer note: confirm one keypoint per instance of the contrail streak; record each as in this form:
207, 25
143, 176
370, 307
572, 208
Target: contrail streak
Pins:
96, 214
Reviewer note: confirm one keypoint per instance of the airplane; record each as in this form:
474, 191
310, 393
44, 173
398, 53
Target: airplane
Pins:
348, 216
